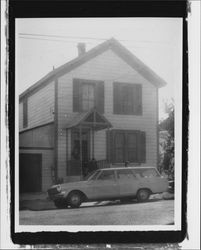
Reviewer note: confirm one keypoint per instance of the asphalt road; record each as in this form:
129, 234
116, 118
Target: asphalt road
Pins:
154, 212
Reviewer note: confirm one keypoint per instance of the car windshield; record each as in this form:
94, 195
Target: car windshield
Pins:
91, 175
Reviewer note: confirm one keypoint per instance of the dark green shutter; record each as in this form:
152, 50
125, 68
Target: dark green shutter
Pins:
141, 147
117, 100
137, 93
100, 97
25, 113
110, 146
76, 96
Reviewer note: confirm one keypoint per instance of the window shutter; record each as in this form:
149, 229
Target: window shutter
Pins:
137, 99
141, 147
25, 113
110, 146
76, 95
100, 97
117, 102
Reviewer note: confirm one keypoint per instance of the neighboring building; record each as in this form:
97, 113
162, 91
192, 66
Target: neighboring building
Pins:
102, 105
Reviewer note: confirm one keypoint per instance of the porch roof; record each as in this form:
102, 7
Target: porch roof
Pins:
90, 119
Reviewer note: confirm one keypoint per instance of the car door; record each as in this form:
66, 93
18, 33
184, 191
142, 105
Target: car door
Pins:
127, 182
104, 186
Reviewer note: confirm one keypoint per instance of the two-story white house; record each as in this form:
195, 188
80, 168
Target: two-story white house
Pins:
102, 105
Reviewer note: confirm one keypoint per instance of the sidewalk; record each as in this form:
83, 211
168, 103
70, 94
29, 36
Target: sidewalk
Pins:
35, 201
40, 201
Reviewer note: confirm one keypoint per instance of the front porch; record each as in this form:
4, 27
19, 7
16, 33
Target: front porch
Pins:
82, 142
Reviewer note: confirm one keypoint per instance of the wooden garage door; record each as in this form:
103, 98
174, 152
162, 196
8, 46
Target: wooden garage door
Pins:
30, 173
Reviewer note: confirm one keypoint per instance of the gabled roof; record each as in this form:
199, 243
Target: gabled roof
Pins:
117, 48
91, 119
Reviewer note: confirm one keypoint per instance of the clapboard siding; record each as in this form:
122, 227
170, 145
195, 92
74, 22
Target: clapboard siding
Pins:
41, 106
108, 67
47, 165
38, 137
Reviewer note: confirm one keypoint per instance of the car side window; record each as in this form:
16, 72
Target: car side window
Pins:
106, 175
146, 173
125, 174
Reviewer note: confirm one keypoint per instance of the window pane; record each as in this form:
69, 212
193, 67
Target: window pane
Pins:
125, 174
151, 172
119, 155
119, 140
87, 96
132, 154
107, 175
119, 147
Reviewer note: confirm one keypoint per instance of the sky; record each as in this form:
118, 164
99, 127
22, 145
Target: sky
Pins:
44, 43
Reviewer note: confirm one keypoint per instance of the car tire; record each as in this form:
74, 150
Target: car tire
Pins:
143, 195
75, 199
60, 203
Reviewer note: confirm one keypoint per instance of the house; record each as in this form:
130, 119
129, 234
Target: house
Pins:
102, 105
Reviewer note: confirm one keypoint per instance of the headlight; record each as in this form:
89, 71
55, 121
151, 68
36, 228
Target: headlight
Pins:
59, 188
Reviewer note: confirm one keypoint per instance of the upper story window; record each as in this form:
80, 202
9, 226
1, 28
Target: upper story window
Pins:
127, 98
88, 94
25, 113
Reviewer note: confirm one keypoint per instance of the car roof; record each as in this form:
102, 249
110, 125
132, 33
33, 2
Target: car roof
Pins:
120, 168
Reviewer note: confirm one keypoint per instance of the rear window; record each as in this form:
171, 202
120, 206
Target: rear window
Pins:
146, 173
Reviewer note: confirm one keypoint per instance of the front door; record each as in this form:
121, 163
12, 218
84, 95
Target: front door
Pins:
78, 161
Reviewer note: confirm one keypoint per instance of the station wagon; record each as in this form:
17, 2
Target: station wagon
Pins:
116, 183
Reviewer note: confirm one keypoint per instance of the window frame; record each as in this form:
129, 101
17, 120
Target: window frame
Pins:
121, 97
99, 94
140, 147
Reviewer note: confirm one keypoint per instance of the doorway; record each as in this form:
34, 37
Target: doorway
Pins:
79, 156
30, 173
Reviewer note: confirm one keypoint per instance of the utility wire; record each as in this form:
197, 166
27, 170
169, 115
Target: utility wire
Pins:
51, 40
89, 38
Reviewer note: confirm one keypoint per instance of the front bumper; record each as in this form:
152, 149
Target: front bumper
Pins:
56, 196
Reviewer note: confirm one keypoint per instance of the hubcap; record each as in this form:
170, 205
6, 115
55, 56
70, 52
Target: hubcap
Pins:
75, 199
143, 195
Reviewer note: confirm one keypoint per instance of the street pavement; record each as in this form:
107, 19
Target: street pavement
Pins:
153, 212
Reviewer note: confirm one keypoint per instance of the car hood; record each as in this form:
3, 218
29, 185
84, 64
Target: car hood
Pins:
76, 184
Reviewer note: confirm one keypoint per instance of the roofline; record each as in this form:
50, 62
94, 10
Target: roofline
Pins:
112, 44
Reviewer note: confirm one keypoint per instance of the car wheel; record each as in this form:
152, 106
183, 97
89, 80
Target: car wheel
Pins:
143, 195
61, 203
75, 199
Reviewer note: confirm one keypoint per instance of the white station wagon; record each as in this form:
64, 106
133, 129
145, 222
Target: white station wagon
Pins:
110, 184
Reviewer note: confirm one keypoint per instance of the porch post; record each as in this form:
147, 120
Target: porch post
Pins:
80, 132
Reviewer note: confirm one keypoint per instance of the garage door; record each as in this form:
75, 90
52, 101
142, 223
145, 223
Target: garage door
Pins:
30, 173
